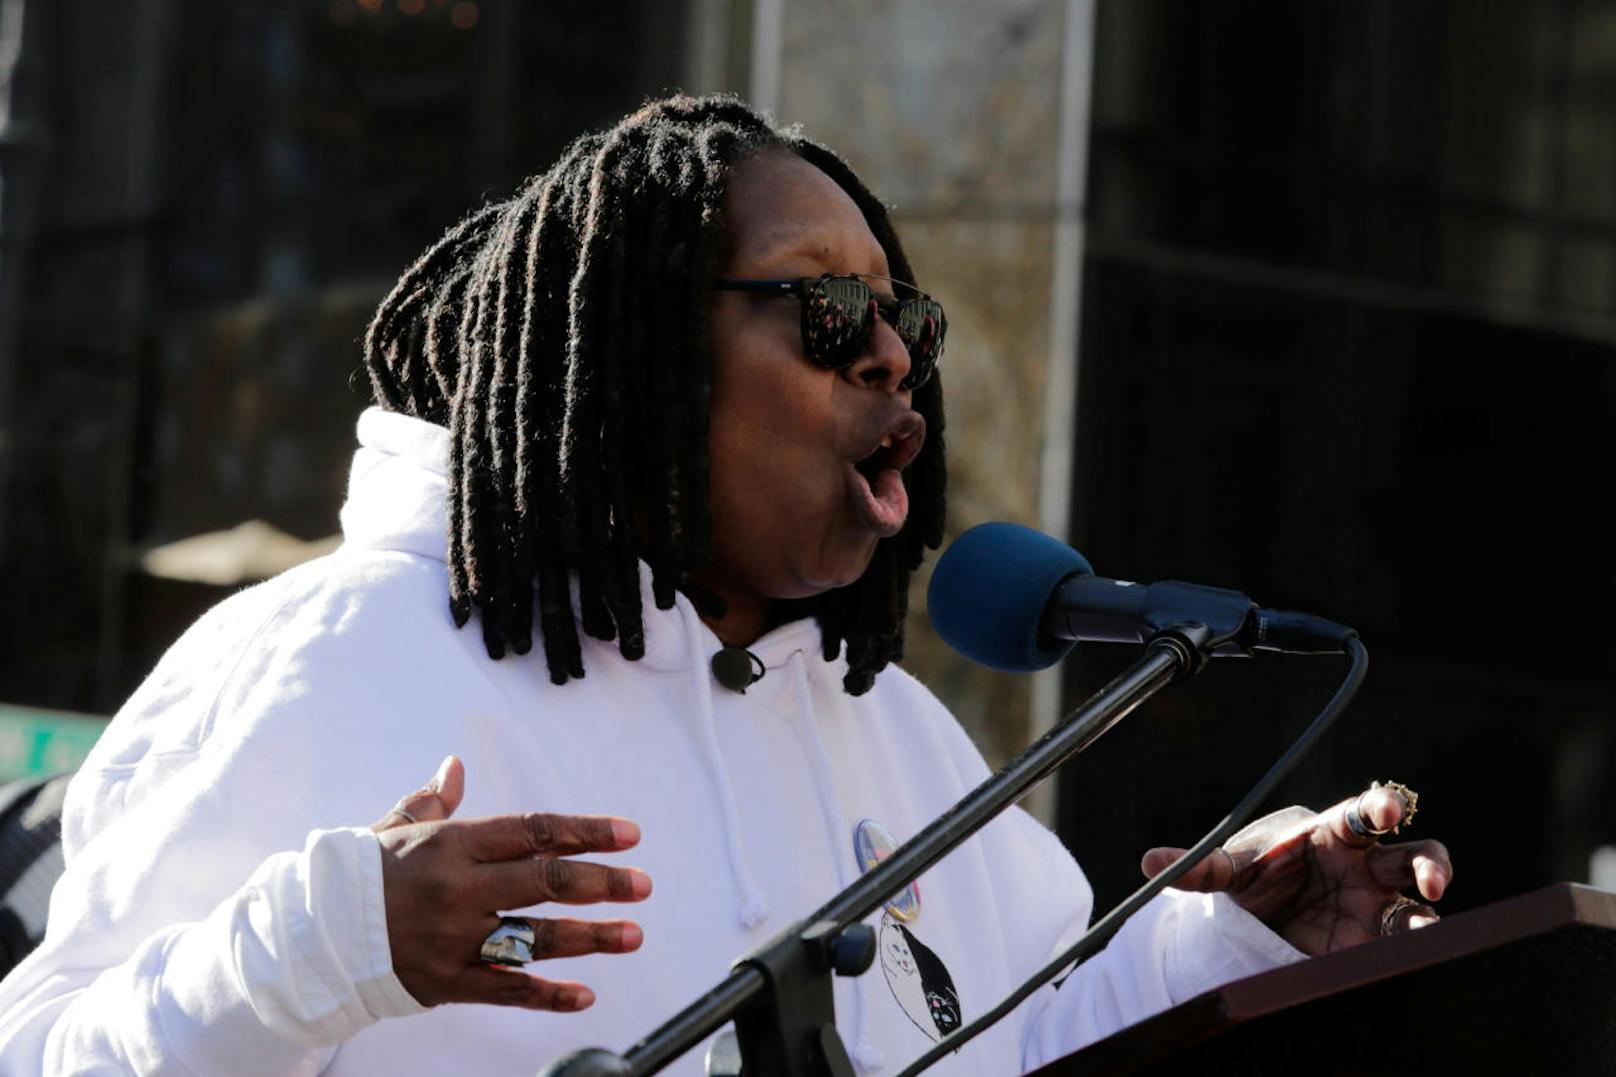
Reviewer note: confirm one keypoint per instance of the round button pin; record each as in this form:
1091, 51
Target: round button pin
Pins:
873, 843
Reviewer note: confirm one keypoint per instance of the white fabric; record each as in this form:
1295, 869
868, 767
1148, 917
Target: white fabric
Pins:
222, 912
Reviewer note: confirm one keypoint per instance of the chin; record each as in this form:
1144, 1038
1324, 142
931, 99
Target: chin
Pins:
848, 567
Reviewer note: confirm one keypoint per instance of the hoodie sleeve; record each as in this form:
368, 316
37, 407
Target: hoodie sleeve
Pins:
217, 915
1177, 947
281, 971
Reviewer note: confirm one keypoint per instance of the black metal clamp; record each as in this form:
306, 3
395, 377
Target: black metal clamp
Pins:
791, 1029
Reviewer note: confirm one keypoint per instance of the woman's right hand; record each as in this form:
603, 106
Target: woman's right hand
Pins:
446, 882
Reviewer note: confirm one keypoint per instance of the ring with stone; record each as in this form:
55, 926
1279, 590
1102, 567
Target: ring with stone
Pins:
511, 943
1361, 826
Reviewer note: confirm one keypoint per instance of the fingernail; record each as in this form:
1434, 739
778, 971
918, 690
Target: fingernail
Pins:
1156, 860
632, 937
1421, 921
583, 998
625, 833
640, 883
436, 784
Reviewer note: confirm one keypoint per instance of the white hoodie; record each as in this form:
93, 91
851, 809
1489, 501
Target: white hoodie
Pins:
222, 908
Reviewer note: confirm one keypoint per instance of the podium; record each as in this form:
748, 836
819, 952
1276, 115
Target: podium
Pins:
1523, 986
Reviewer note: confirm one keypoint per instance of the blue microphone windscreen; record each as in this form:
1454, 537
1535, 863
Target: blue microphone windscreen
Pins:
989, 590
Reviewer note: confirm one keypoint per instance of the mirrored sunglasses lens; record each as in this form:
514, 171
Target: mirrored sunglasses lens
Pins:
921, 326
835, 314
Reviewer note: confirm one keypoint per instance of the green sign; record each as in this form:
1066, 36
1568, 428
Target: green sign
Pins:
35, 742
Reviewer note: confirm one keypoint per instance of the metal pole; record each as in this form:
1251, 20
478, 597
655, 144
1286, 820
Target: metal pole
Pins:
1065, 310
768, 26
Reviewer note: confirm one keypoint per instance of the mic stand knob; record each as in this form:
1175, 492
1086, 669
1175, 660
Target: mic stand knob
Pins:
1188, 643
853, 951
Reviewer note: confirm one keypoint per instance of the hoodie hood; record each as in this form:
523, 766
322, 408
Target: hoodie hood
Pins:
398, 500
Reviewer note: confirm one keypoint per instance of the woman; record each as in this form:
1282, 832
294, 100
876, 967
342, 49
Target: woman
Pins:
680, 392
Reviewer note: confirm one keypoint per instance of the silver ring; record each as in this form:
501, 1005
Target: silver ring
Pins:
1360, 826
398, 809
511, 943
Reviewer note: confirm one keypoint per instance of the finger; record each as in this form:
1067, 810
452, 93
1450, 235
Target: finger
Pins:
513, 987
507, 837
450, 781
1433, 874
516, 884
572, 938
1216, 871
1424, 865
433, 802
1378, 808
1383, 807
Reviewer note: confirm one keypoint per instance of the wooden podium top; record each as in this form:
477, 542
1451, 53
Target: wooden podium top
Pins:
1526, 985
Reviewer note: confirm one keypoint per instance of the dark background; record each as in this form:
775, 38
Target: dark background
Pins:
1349, 319
203, 207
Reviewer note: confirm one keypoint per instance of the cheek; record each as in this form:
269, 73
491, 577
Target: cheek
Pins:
772, 468
778, 488
769, 418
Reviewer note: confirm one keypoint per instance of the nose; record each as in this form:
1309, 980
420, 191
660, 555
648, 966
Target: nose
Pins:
884, 362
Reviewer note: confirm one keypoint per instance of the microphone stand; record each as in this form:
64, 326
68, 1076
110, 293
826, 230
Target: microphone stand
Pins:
780, 996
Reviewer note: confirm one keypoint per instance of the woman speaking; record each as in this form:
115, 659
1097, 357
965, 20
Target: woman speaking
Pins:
656, 444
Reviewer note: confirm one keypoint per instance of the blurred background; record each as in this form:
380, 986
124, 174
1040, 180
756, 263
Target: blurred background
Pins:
1317, 301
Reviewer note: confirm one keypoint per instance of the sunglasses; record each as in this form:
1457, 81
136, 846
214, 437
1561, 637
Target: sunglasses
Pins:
839, 312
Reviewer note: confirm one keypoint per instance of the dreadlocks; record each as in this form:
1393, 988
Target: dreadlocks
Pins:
578, 422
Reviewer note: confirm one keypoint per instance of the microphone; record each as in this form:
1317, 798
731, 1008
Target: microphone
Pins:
737, 668
1015, 599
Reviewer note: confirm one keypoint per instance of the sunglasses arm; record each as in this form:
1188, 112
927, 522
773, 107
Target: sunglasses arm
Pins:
768, 287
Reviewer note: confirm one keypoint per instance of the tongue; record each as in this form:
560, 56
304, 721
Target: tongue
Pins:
882, 501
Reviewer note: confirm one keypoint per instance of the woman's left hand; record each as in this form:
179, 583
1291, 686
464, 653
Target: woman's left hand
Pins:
1318, 882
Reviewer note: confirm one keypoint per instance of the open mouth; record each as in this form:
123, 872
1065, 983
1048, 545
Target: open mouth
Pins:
899, 444
876, 478
893, 454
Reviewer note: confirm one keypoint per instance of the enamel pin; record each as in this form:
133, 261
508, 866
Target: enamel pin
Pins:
873, 843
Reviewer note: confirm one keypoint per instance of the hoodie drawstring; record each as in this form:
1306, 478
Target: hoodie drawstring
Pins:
866, 1054
754, 907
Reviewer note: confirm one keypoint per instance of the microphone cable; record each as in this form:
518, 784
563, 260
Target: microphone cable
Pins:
1098, 935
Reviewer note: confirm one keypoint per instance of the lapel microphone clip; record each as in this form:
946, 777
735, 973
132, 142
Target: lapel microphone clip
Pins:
737, 668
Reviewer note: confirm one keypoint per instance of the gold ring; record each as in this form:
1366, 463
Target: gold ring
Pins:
1411, 802
1389, 914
